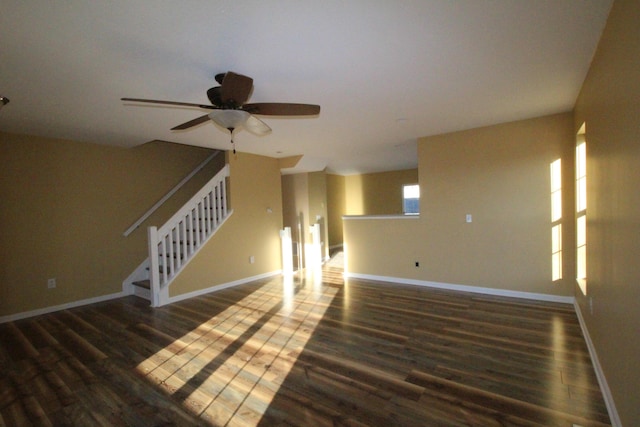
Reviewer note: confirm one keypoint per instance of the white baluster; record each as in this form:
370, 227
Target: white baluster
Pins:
196, 226
216, 192
207, 202
179, 239
223, 197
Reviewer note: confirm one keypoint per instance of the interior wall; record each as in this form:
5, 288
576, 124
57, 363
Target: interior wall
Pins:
318, 207
377, 193
65, 206
501, 176
295, 201
252, 231
336, 208
304, 198
608, 105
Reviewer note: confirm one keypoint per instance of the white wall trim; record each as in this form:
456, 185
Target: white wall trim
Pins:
602, 380
466, 288
222, 286
54, 308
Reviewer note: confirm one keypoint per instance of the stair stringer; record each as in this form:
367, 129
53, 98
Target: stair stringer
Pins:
141, 273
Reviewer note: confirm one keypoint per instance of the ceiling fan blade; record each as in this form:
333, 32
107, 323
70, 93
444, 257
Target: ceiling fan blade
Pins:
182, 104
191, 123
235, 88
256, 126
220, 77
282, 109
214, 96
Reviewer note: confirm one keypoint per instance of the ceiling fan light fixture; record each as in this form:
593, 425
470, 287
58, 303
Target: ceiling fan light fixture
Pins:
229, 119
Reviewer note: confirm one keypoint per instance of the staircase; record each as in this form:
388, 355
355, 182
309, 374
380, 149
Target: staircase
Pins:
174, 244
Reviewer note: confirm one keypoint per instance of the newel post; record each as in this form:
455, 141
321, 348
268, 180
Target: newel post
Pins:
287, 251
315, 255
154, 266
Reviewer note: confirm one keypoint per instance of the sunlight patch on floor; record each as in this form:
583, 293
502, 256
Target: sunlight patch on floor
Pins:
233, 364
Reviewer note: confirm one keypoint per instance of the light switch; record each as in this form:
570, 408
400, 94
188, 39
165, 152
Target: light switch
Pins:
469, 218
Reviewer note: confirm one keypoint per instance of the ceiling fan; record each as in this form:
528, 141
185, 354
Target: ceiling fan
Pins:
230, 110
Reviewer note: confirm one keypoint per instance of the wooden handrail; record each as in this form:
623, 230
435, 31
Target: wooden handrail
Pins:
171, 192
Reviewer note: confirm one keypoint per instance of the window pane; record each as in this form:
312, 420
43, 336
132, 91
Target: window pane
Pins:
556, 252
582, 262
581, 160
556, 238
581, 209
581, 194
556, 176
411, 199
556, 266
581, 231
411, 191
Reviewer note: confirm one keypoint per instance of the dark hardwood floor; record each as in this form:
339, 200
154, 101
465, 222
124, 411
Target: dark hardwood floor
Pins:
312, 351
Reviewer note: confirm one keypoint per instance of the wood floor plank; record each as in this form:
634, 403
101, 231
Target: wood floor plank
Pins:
306, 353
500, 402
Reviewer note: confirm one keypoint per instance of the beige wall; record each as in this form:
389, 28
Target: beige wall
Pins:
366, 194
500, 175
609, 104
295, 204
318, 207
304, 198
252, 230
336, 207
65, 206
384, 247
377, 193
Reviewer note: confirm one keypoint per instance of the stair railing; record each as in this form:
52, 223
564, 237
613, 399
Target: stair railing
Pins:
175, 243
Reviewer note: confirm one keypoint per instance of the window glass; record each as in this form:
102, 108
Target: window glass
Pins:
411, 199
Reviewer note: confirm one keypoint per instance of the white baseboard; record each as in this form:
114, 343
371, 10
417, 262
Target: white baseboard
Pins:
222, 286
602, 380
54, 308
124, 293
466, 288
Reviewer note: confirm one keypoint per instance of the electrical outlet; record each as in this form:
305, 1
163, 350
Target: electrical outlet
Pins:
51, 283
469, 218
417, 263
252, 259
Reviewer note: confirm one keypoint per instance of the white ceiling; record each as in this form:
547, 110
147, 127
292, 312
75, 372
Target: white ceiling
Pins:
384, 73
